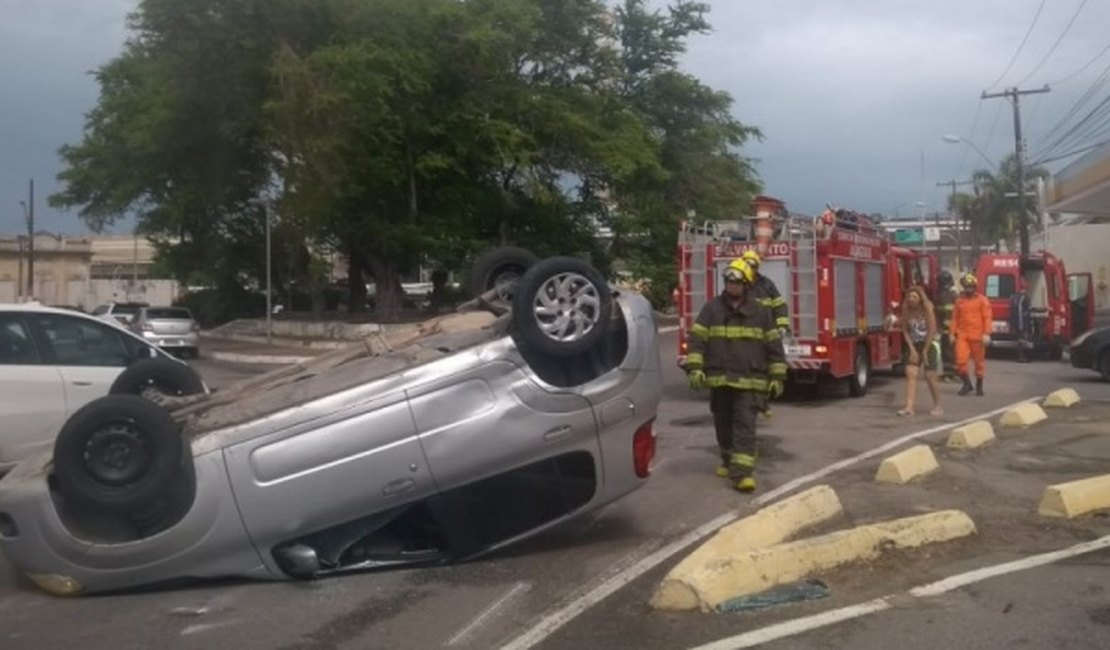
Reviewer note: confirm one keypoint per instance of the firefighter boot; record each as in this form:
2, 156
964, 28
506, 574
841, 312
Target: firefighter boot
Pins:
966, 388
746, 484
979, 386
740, 468
722, 469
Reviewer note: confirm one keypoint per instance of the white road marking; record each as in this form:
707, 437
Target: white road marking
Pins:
557, 619
464, 634
824, 619
560, 617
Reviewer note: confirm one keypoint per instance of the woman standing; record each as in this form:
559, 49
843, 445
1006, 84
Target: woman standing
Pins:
919, 329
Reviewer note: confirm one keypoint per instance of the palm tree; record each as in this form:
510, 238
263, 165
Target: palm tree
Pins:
999, 216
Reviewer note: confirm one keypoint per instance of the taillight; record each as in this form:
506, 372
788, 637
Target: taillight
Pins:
643, 449
821, 350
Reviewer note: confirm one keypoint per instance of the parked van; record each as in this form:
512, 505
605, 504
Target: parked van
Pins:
1061, 305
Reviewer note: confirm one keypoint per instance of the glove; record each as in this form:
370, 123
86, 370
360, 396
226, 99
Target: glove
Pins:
775, 388
696, 379
986, 339
784, 333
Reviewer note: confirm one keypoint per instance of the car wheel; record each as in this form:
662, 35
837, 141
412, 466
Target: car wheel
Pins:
158, 380
119, 453
860, 380
562, 306
501, 269
1104, 364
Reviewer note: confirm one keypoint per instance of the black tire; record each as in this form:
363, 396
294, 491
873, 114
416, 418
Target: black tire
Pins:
1104, 364
860, 380
562, 306
163, 376
119, 453
500, 268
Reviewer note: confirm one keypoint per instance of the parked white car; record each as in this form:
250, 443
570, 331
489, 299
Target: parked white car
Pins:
54, 361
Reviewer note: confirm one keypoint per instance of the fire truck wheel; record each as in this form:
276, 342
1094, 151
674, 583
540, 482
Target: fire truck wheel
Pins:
860, 380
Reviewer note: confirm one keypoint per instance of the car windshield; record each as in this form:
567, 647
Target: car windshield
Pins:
1000, 286
169, 313
128, 310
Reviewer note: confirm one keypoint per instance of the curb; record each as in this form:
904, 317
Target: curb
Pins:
755, 571
1025, 415
971, 436
1076, 498
903, 467
1063, 398
692, 582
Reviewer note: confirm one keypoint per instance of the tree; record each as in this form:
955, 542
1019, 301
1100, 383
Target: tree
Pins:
997, 216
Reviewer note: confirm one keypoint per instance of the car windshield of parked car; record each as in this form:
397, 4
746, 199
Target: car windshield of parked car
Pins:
16, 347
125, 310
81, 342
168, 313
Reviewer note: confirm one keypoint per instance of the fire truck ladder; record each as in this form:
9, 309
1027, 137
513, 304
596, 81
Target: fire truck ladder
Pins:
804, 277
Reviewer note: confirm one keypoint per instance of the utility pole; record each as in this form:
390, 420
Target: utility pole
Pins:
959, 221
29, 215
1019, 147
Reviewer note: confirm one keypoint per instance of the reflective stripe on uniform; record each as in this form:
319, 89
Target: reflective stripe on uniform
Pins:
771, 303
777, 369
742, 460
700, 331
737, 332
783, 321
694, 360
744, 383
771, 335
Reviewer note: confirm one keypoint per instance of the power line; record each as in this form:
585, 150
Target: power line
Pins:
1022, 45
1082, 69
1051, 50
1070, 153
1097, 85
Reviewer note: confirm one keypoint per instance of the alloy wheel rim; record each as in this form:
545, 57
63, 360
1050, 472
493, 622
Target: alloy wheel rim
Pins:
567, 307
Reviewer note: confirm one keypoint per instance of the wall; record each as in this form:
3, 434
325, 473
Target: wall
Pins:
1084, 248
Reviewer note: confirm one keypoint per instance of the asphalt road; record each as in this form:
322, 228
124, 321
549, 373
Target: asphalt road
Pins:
586, 584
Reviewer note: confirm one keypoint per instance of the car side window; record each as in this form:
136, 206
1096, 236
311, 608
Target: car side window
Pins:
80, 342
16, 346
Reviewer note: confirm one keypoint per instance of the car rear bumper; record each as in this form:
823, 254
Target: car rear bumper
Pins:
173, 341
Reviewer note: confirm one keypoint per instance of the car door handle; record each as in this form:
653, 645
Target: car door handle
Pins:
558, 433
82, 383
393, 488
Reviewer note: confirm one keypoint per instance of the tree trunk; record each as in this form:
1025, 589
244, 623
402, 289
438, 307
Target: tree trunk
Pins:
356, 286
387, 279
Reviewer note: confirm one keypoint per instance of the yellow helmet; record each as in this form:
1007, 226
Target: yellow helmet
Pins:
752, 258
740, 270
969, 280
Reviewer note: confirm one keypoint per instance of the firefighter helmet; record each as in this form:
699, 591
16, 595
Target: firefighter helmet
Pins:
968, 280
944, 279
740, 270
752, 258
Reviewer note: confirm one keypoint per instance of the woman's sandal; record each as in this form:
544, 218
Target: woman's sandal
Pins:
905, 412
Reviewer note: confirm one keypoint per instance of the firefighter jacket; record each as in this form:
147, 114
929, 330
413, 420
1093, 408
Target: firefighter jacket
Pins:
971, 319
736, 347
946, 304
768, 295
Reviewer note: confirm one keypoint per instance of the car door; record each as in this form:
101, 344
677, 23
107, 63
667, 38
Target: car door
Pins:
32, 398
88, 354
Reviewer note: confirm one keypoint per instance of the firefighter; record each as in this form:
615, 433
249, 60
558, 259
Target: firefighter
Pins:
1020, 320
945, 303
735, 349
766, 292
970, 327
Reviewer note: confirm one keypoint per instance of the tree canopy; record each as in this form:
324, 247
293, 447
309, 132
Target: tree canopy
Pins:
405, 132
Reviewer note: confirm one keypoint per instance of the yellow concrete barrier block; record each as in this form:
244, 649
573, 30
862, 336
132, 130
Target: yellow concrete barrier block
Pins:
1063, 398
681, 589
1023, 416
1076, 498
905, 466
757, 570
970, 436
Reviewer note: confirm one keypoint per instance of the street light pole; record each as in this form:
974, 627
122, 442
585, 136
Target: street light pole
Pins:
29, 215
956, 139
269, 288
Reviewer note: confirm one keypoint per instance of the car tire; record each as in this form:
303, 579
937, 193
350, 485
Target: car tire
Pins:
500, 268
157, 378
119, 453
860, 380
562, 306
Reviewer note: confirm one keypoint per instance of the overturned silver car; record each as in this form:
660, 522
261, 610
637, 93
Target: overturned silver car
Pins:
468, 433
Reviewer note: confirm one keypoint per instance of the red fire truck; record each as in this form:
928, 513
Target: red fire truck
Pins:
842, 278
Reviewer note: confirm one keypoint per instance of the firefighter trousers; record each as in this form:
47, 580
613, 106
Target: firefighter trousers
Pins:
970, 350
734, 418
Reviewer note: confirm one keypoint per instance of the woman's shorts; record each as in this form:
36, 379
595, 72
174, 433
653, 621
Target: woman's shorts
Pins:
931, 358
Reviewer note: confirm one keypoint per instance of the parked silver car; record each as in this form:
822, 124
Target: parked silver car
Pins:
171, 328
458, 436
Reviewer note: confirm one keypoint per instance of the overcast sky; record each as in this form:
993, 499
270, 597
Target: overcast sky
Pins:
853, 97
